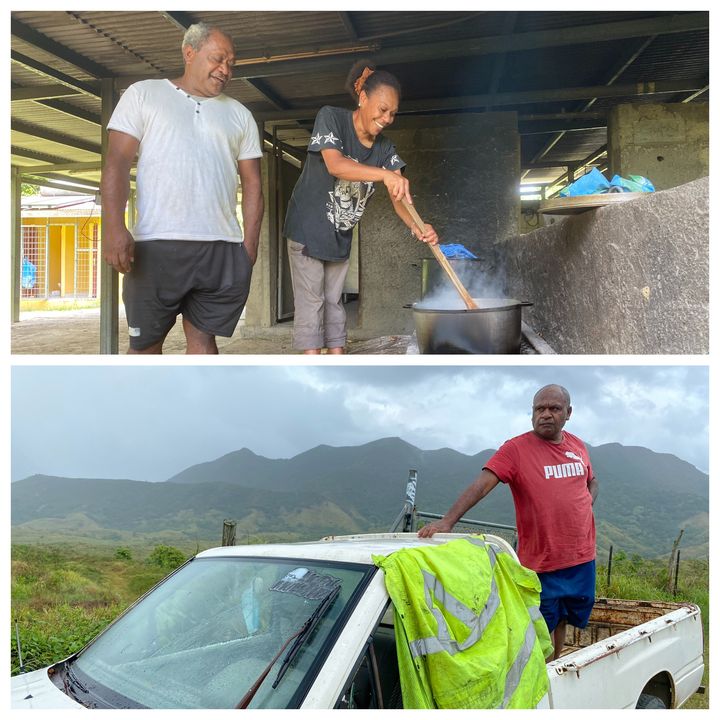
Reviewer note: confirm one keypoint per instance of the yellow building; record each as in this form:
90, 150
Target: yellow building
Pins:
60, 247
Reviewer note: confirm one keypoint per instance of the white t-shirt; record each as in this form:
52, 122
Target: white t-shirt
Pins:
187, 177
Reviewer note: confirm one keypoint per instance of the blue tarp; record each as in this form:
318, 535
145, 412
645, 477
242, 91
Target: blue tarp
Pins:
450, 250
595, 182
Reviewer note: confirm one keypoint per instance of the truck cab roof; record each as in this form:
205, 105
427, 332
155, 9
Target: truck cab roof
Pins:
347, 548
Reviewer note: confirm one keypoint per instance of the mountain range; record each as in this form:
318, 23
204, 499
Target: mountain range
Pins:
645, 497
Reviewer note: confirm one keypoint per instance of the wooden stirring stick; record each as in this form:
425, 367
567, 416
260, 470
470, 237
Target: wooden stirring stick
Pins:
440, 257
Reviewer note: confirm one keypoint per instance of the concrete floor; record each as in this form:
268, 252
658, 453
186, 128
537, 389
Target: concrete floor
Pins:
77, 332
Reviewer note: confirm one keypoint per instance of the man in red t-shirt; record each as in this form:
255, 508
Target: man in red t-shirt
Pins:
553, 487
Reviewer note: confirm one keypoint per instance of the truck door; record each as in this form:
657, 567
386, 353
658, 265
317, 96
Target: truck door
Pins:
375, 682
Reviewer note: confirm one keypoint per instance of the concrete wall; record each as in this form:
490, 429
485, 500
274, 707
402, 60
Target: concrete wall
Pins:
669, 144
629, 278
464, 172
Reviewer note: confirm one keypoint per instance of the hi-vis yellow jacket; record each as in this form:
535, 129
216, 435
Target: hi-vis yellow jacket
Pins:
468, 627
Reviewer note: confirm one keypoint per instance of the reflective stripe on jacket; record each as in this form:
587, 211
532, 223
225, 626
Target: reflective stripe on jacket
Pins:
468, 627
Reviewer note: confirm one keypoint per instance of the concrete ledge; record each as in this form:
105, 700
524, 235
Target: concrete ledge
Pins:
536, 342
631, 278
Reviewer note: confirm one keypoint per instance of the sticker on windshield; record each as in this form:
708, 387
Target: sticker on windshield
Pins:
307, 584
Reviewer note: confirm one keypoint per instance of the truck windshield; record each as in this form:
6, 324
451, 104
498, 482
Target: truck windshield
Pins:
203, 637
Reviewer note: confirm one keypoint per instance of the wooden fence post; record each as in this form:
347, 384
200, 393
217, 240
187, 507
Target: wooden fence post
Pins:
672, 563
677, 572
609, 566
228, 533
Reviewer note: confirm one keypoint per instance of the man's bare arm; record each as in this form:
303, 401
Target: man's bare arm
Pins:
118, 245
253, 204
593, 488
472, 495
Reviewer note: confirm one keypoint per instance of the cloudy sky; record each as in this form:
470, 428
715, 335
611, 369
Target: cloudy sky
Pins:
148, 423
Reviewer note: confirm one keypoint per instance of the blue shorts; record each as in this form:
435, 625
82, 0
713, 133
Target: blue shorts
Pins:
568, 594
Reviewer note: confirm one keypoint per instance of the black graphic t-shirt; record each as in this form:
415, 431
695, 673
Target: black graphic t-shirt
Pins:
323, 209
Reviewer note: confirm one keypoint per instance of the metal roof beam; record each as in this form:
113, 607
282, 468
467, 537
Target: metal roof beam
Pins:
535, 117
696, 94
35, 155
268, 93
515, 42
348, 24
498, 67
575, 126
44, 182
56, 137
180, 20
41, 92
610, 77
71, 111
478, 102
45, 97
547, 165
61, 77
590, 159
65, 179
67, 167
62, 52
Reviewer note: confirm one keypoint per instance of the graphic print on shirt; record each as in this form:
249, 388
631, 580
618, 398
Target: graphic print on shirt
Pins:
572, 469
347, 202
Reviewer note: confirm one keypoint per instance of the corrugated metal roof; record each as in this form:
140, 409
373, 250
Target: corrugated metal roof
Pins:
298, 60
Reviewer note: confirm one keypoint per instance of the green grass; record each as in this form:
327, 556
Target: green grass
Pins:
59, 304
61, 599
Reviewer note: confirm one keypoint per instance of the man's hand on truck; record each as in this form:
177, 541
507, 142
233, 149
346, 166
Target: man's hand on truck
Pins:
442, 525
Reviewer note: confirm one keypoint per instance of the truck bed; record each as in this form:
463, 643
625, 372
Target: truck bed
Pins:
574, 678
611, 616
631, 649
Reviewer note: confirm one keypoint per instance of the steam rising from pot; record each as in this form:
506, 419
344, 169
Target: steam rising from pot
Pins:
485, 287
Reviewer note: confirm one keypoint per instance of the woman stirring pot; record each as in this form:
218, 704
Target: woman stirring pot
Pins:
347, 156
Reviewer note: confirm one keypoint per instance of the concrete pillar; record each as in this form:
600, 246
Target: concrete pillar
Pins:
109, 281
261, 307
15, 242
668, 144
464, 172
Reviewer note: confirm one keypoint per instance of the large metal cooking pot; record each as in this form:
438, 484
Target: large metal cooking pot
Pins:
494, 328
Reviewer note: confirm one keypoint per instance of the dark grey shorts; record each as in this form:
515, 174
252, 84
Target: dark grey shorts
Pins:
208, 282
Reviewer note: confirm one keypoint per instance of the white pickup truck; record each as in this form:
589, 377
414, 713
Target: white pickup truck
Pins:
310, 625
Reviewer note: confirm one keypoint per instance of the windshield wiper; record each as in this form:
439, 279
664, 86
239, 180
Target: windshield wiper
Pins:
300, 637
305, 632
71, 686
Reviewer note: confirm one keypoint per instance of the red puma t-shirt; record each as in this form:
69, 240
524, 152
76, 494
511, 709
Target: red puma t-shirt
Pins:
553, 506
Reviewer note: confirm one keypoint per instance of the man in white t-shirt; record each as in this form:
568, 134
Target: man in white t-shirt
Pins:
187, 253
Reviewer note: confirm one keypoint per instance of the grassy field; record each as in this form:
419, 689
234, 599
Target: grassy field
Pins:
58, 304
63, 596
